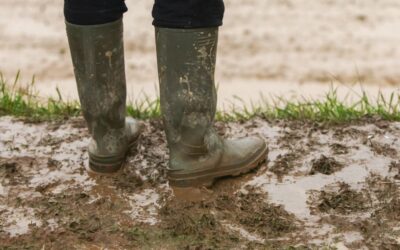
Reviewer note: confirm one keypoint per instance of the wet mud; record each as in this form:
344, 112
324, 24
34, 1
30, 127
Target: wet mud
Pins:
322, 186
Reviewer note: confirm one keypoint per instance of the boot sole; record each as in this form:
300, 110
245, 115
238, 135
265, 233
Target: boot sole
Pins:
109, 165
207, 179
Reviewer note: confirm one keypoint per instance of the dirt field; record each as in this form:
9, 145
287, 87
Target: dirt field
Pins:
321, 186
275, 47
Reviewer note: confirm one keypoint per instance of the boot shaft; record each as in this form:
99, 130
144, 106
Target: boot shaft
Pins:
186, 64
97, 54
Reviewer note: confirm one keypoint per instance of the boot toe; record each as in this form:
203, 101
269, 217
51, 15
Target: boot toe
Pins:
239, 156
243, 149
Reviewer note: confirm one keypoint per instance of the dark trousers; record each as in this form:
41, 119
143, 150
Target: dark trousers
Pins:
166, 13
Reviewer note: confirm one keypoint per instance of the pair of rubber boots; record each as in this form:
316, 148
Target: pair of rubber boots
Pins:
186, 64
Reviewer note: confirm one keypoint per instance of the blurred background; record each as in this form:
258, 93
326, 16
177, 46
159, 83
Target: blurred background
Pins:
289, 48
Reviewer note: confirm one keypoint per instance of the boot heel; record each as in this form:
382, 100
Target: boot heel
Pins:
101, 168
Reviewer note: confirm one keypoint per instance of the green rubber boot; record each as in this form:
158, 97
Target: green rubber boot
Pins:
98, 58
186, 64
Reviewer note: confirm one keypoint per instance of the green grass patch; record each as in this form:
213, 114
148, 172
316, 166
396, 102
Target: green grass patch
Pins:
328, 109
25, 103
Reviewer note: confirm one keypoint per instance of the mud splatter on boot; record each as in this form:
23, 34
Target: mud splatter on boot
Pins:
186, 65
97, 53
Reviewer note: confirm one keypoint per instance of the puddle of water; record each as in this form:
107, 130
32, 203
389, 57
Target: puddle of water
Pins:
293, 191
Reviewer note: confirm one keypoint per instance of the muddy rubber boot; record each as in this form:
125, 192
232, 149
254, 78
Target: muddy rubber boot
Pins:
98, 58
186, 64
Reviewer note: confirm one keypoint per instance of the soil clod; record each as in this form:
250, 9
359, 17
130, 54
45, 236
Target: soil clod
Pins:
325, 165
343, 200
339, 149
382, 149
395, 167
283, 164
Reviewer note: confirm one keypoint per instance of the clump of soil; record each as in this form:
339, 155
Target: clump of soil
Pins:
10, 173
325, 165
341, 133
292, 137
344, 200
395, 166
267, 220
339, 149
283, 164
380, 229
386, 195
382, 149
373, 211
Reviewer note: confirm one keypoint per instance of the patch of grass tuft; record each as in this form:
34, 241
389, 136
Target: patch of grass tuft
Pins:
25, 103
328, 109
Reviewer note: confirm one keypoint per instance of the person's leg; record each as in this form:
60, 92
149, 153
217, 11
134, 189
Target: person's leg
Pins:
95, 36
186, 41
93, 12
188, 14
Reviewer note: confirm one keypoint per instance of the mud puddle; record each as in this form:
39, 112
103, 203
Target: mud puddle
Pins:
322, 186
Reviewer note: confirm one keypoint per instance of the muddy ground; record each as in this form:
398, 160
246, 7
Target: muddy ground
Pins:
322, 186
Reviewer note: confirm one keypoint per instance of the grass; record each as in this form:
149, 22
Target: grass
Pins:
25, 103
330, 109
